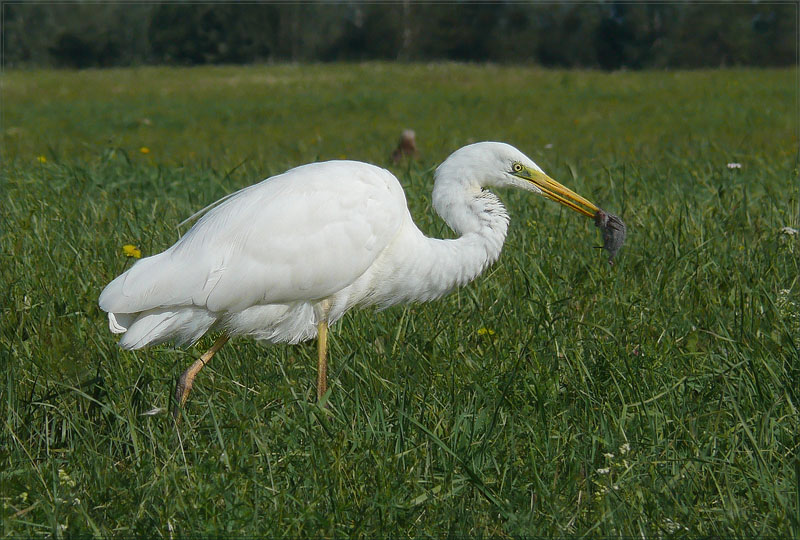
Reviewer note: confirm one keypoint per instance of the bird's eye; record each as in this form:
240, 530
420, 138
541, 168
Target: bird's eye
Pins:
517, 167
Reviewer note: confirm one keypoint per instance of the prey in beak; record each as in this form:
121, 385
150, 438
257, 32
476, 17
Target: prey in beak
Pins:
612, 227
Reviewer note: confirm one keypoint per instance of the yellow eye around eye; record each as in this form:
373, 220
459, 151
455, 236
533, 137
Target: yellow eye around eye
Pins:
517, 167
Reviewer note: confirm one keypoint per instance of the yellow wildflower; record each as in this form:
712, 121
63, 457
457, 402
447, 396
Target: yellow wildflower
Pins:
131, 251
485, 331
41, 159
144, 150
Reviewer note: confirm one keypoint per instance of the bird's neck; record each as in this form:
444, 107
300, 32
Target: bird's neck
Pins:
438, 266
467, 208
480, 220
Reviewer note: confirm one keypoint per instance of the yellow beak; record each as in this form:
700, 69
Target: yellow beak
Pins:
558, 193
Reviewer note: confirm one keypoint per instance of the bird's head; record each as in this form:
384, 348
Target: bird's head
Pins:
495, 164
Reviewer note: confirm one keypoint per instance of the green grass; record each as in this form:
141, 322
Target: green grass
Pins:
553, 396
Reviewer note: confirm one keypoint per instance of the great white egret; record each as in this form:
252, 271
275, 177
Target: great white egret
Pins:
281, 260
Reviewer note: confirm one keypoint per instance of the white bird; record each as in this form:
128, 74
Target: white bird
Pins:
283, 259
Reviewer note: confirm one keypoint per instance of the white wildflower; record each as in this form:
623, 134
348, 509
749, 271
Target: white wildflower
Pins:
734, 165
64, 478
791, 231
609, 455
604, 470
788, 309
673, 526
549, 146
625, 448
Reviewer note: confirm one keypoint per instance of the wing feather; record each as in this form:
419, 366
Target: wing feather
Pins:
302, 235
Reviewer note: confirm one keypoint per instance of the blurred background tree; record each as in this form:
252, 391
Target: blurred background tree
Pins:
606, 35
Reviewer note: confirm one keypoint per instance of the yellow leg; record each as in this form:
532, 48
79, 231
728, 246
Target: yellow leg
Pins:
322, 358
187, 379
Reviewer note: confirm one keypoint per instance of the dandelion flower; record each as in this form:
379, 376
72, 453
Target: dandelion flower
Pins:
485, 331
41, 159
131, 251
144, 150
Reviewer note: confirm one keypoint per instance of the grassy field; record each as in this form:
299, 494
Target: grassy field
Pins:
554, 396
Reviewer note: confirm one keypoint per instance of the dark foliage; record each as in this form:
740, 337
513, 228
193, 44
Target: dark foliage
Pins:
604, 35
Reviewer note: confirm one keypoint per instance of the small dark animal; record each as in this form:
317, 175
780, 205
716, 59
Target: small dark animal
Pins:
613, 232
407, 147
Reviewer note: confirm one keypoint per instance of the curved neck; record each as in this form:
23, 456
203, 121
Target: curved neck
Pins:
438, 266
480, 219
467, 208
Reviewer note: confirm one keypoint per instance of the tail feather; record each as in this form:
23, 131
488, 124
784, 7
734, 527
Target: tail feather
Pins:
180, 325
119, 323
149, 304
152, 282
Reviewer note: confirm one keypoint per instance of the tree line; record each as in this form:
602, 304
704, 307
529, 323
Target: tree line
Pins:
605, 35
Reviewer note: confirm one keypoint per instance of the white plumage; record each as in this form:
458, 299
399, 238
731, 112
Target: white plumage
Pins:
276, 259
258, 263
